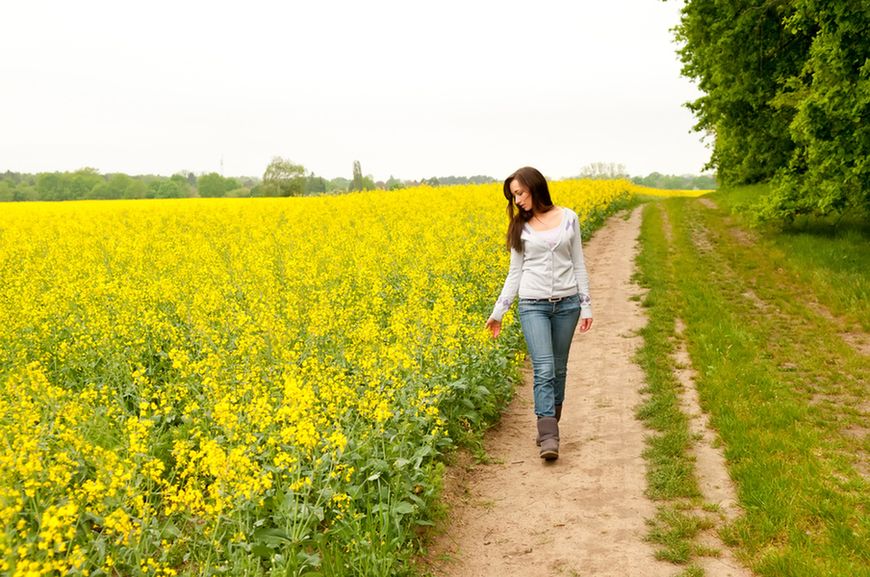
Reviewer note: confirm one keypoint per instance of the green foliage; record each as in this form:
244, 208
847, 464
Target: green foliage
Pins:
359, 181
118, 186
315, 185
82, 181
283, 178
739, 54
175, 187
7, 193
829, 171
674, 182
49, 186
786, 97
339, 184
213, 185
450, 180
394, 183
89, 184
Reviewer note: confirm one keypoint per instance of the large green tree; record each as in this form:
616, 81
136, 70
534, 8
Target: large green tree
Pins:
829, 170
283, 178
357, 182
212, 185
740, 55
785, 98
315, 184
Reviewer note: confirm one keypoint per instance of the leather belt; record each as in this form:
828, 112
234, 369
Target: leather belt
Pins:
549, 299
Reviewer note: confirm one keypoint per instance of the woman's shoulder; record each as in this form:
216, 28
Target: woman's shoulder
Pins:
568, 212
570, 216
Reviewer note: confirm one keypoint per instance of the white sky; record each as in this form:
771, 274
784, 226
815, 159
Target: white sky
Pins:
409, 89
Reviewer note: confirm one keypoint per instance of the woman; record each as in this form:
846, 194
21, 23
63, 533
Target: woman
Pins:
548, 273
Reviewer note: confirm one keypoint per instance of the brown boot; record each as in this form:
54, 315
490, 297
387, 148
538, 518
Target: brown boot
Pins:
548, 433
558, 418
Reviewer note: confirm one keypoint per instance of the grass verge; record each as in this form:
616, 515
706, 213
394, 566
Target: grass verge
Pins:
770, 317
671, 479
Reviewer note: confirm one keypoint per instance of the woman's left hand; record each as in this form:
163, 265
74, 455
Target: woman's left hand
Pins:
494, 326
585, 324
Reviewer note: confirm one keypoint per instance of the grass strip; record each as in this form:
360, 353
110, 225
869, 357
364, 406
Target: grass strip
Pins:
671, 478
670, 473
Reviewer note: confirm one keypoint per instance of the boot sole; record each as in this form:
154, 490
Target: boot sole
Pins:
550, 455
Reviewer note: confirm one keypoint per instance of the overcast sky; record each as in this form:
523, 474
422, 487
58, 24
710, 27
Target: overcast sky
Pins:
409, 89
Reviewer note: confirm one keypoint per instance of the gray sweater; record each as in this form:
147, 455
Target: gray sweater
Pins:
540, 271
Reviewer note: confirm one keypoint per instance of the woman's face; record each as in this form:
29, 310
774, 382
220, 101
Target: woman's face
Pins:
522, 196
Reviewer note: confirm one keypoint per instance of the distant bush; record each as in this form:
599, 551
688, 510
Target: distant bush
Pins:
674, 182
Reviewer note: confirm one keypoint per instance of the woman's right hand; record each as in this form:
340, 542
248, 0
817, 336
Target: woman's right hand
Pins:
494, 326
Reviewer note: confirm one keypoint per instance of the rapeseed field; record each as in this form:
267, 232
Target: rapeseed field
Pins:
247, 386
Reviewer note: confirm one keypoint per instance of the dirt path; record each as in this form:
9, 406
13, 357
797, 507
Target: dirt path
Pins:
584, 514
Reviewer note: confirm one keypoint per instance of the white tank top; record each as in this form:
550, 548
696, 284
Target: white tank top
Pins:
550, 236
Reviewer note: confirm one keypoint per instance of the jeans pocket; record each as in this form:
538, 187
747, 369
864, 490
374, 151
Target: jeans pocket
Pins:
525, 307
571, 303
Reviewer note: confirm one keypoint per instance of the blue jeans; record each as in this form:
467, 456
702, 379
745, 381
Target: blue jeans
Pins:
548, 328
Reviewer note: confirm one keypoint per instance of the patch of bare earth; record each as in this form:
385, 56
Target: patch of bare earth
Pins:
709, 203
714, 482
742, 236
701, 239
755, 300
585, 513
859, 341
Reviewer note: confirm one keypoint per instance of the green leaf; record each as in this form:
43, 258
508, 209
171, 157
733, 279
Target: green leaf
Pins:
261, 550
272, 536
403, 508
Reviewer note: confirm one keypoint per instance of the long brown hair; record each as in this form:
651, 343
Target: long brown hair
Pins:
532, 179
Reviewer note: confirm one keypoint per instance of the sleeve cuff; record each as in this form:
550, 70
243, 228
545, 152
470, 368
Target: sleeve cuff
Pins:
585, 306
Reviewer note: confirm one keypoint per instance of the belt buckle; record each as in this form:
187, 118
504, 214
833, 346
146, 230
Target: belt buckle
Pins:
555, 299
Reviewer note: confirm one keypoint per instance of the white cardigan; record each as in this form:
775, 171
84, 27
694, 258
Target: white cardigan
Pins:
540, 272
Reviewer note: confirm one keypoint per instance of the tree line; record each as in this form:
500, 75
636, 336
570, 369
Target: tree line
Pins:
282, 177
90, 184
677, 181
786, 99
614, 170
